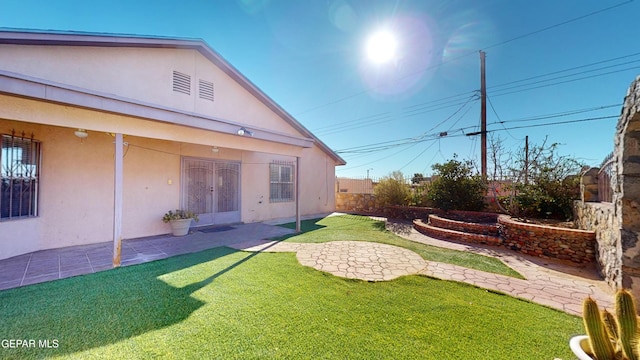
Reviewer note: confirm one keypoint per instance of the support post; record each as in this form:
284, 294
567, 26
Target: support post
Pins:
298, 226
117, 199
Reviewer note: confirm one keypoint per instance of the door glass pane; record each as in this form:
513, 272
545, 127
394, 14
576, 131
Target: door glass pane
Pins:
227, 186
199, 175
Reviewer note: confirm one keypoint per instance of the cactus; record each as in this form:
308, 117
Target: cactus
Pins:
627, 324
599, 339
613, 337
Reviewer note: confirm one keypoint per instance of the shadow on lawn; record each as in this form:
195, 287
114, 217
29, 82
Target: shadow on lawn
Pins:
99, 309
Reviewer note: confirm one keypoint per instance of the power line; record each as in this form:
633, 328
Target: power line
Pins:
559, 24
431, 103
499, 120
417, 156
387, 144
439, 104
556, 115
570, 75
358, 120
474, 52
565, 70
566, 81
558, 123
488, 131
431, 137
422, 108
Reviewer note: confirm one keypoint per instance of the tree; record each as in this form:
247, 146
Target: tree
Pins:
417, 178
457, 187
552, 184
392, 190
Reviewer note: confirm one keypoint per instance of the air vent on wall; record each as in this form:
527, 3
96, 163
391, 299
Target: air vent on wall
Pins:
181, 83
206, 90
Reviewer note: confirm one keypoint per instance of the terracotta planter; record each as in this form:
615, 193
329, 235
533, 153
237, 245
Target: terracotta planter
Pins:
576, 346
180, 227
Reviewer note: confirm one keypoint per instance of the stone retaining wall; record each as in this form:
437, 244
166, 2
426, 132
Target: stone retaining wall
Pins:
416, 212
455, 235
468, 227
600, 218
541, 240
538, 240
349, 202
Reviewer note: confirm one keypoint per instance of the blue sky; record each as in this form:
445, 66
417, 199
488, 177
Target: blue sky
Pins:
309, 56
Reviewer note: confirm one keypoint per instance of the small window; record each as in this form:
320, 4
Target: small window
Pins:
206, 90
181, 83
19, 176
282, 186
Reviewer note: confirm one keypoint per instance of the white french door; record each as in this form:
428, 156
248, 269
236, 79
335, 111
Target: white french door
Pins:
211, 189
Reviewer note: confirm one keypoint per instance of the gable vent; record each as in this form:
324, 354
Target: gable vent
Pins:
206, 90
181, 83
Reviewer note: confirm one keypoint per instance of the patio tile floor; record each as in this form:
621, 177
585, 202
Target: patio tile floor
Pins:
53, 264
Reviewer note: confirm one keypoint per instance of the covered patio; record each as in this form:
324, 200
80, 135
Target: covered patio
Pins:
60, 263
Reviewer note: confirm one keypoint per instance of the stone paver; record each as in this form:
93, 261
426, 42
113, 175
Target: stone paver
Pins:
557, 284
350, 259
562, 286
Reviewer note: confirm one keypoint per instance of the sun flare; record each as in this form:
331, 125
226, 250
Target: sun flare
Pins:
381, 47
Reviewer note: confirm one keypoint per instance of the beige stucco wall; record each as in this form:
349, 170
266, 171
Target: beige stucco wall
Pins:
77, 176
75, 193
143, 74
76, 187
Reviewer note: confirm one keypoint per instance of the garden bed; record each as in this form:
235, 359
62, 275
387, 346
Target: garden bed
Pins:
541, 237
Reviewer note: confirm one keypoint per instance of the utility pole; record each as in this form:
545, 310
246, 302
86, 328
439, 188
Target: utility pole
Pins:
526, 160
483, 116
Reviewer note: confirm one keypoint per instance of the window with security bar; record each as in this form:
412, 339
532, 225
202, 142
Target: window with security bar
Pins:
282, 186
19, 176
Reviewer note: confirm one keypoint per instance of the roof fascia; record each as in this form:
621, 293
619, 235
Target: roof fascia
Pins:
111, 40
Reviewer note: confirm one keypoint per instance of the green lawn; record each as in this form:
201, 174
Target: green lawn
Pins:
226, 304
363, 228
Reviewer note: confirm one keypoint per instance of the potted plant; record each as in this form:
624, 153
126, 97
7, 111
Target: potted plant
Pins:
180, 221
609, 336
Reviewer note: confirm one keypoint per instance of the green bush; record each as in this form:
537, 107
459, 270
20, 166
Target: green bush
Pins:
392, 190
419, 196
456, 187
545, 199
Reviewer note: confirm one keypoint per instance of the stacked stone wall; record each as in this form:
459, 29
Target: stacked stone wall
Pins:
455, 235
410, 212
575, 245
465, 226
600, 218
554, 242
626, 187
418, 212
349, 202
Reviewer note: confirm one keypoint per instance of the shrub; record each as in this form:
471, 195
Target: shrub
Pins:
456, 187
392, 190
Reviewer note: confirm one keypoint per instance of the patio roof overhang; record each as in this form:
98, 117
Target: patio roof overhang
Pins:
42, 90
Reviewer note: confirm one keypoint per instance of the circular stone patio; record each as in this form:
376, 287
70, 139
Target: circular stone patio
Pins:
361, 260
349, 259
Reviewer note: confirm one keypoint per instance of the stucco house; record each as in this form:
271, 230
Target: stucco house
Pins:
102, 134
